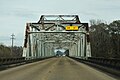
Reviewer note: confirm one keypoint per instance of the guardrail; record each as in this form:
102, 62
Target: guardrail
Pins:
8, 61
111, 66
17, 60
112, 63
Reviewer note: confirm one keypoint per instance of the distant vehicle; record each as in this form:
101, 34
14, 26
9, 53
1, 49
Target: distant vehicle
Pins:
59, 53
63, 55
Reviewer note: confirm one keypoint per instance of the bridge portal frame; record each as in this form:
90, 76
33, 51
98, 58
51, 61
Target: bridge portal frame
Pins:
35, 45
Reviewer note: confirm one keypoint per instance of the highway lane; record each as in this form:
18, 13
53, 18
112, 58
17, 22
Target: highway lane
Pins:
61, 68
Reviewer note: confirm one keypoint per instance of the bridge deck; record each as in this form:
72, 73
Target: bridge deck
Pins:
61, 68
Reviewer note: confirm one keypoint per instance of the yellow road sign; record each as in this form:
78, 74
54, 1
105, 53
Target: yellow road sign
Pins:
73, 28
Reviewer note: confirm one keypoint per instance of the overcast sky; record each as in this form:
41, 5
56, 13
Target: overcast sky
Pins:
15, 13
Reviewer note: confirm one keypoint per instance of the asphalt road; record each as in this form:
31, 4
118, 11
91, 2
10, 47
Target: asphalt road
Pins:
61, 68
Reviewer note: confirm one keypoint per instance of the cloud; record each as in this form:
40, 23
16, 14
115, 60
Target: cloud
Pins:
22, 13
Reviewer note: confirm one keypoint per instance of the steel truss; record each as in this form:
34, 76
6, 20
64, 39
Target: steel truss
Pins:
49, 33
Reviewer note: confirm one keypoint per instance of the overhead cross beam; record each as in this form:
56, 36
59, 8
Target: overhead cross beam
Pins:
59, 18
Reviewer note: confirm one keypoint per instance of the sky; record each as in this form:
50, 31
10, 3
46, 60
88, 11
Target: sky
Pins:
14, 14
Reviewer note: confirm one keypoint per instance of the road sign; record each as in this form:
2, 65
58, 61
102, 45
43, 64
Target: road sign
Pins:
73, 28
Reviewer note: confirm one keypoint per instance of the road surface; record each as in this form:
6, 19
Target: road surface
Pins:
62, 68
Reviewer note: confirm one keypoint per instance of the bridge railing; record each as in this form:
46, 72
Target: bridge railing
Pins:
7, 61
16, 60
112, 62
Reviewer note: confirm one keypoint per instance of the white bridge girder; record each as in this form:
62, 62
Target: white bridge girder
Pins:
43, 37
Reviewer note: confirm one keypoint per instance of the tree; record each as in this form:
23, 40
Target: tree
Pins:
99, 40
115, 37
6, 51
105, 39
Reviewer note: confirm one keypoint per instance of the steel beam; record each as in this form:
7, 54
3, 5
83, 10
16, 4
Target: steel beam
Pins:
57, 32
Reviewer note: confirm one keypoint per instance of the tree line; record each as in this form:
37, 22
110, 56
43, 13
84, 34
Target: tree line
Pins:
6, 51
105, 39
